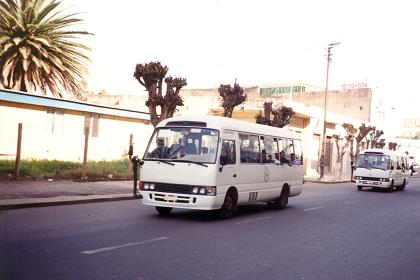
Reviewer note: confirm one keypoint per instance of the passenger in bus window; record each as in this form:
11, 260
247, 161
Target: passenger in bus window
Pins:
267, 158
294, 160
283, 158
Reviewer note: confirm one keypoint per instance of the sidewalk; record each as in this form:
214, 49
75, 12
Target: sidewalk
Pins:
23, 194
328, 179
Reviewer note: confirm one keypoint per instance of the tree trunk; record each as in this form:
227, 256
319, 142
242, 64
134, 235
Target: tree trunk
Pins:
153, 115
228, 112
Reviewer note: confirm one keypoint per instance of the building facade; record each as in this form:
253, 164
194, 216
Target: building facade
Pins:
344, 106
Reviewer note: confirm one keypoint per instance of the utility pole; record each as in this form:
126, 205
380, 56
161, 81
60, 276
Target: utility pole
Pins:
322, 159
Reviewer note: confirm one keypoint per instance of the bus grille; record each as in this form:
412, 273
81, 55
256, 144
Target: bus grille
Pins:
371, 178
172, 188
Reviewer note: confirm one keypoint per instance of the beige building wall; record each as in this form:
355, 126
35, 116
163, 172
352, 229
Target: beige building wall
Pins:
58, 134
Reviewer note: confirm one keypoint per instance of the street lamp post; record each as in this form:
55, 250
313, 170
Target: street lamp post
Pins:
322, 159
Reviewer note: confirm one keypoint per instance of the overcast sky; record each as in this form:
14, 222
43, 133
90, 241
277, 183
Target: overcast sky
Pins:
211, 42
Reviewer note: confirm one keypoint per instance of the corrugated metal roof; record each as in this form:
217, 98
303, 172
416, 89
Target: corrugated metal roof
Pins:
25, 98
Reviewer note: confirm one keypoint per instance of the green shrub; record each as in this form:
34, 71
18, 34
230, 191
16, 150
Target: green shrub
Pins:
41, 169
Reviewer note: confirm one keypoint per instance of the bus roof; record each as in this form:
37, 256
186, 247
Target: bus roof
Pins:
224, 123
383, 152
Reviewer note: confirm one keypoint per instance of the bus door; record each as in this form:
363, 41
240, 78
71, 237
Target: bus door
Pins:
227, 175
251, 172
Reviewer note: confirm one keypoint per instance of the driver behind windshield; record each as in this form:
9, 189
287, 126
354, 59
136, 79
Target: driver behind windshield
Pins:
161, 150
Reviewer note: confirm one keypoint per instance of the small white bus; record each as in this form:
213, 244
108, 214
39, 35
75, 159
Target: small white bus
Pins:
210, 162
378, 168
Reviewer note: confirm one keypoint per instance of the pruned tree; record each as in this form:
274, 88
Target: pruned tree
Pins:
266, 117
363, 132
380, 144
231, 97
341, 150
350, 136
374, 136
151, 75
392, 146
281, 115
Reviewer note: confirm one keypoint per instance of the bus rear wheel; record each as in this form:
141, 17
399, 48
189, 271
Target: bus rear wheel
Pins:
163, 210
281, 202
229, 205
402, 187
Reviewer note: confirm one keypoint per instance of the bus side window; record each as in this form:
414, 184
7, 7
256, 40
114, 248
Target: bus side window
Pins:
269, 152
398, 163
287, 148
297, 157
228, 154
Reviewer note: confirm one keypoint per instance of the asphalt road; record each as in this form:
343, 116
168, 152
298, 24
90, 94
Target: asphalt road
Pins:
329, 232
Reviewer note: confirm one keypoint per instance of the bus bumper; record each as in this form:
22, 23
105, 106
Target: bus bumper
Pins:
183, 201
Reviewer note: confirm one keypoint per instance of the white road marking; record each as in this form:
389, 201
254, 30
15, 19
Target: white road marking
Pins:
350, 202
313, 208
89, 252
252, 220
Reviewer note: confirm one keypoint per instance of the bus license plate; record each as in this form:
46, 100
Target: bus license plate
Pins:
170, 198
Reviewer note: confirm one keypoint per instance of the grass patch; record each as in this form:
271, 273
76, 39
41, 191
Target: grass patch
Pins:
56, 169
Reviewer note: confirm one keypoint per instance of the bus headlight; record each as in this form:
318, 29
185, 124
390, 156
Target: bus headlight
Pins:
151, 186
384, 179
146, 186
203, 190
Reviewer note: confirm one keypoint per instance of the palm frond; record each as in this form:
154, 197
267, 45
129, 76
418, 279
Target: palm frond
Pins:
38, 48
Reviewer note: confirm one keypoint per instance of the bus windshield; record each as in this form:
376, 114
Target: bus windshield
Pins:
183, 143
373, 161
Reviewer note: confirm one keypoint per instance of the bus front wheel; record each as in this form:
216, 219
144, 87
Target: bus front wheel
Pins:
163, 210
229, 205
391, 187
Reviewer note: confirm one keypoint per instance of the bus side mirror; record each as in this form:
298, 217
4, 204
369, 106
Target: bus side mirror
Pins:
136, 161
223, 160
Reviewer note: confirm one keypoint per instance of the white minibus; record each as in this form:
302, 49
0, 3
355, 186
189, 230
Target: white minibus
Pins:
378, 168
211, 162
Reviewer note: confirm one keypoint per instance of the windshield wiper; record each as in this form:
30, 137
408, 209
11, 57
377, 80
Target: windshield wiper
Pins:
366, 167
190, 161
373, 167
160, 160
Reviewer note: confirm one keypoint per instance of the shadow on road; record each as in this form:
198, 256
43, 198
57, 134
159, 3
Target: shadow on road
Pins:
248, 211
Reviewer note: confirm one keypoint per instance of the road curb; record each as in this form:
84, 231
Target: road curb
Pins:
31, 204
326, 182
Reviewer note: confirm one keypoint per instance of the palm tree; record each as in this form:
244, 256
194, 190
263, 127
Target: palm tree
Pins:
38, 50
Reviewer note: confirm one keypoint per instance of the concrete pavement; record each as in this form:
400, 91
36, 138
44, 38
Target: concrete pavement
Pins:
23, 194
